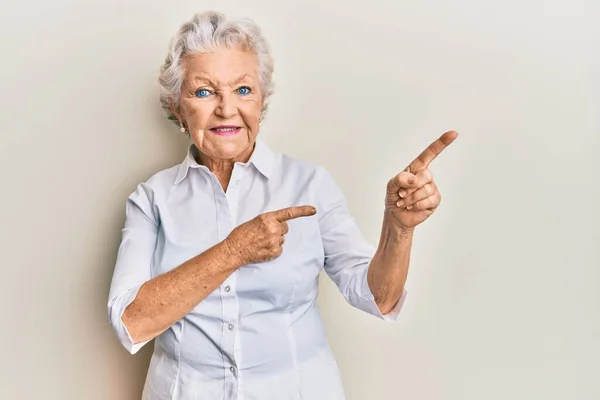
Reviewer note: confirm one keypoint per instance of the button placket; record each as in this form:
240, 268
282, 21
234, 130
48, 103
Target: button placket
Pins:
230, 332
226, 202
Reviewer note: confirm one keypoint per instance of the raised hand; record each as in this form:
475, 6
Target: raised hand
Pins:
412, 195
261, 238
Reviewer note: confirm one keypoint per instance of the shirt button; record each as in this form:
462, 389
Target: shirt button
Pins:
227, 288
230, 327
232, 369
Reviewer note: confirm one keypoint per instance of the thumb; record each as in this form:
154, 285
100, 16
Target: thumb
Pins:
404, 180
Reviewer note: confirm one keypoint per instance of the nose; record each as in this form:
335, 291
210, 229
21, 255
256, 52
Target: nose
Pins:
226, 107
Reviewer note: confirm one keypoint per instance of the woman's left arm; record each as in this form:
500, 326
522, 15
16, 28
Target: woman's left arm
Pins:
411, 197
389, 267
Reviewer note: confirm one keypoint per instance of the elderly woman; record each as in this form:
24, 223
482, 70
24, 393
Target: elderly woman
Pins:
221, 254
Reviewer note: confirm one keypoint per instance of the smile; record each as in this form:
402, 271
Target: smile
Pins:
225, 130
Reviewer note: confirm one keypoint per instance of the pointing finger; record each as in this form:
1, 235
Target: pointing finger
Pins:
432, 151
294, 212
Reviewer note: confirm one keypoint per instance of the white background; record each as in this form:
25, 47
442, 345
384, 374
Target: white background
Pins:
504, 283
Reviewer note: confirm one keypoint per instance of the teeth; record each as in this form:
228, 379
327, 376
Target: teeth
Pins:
226, 129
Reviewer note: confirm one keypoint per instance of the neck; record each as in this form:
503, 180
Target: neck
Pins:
222, 168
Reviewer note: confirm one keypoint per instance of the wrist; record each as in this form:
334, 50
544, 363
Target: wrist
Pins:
233, 253
395, 227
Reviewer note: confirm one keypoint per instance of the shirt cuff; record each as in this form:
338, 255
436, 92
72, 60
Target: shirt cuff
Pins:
371, 305
116, 310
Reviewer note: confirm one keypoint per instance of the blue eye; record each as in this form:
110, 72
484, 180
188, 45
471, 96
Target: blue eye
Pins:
202, 93
244, 90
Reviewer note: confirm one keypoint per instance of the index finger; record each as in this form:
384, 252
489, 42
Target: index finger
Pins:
294, 212
432, 151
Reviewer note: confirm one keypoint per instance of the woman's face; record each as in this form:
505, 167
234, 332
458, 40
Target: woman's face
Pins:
221, 102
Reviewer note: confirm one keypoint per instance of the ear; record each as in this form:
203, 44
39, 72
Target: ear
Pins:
175, 111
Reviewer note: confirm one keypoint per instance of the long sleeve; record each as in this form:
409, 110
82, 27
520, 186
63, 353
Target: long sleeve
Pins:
347, 253
134, 260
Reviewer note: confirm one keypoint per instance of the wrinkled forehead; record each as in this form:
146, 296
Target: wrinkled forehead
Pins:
221, 68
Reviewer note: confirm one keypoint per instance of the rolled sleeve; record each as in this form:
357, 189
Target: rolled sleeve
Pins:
134, 260
116, 309
347, 254
367, 300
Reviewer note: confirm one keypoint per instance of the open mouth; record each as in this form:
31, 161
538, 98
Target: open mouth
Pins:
225, 130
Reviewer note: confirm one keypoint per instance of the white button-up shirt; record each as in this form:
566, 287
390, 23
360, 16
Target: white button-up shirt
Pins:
259, 335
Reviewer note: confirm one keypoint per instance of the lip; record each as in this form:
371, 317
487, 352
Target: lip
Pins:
226, 130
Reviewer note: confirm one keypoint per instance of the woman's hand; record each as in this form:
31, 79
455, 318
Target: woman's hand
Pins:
412, 195
261, 238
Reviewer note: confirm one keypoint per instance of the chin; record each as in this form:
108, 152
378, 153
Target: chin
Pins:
232, 147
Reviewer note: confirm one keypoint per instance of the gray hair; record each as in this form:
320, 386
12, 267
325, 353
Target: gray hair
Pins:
204, 33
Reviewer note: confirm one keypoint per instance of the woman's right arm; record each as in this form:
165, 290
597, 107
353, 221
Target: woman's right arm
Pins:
167, 298
142, 307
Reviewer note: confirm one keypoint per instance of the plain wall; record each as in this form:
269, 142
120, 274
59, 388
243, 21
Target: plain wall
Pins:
504, 281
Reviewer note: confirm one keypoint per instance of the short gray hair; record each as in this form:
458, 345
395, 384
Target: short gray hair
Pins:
204, 33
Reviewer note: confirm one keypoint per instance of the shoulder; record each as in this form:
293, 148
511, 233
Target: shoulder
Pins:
157, 185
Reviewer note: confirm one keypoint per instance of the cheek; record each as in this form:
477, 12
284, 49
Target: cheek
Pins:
251, 110
197, 113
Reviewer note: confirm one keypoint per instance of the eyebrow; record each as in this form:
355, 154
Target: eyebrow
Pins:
197, 78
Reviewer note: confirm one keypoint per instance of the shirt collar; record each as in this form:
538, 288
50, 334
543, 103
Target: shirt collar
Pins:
262, 158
